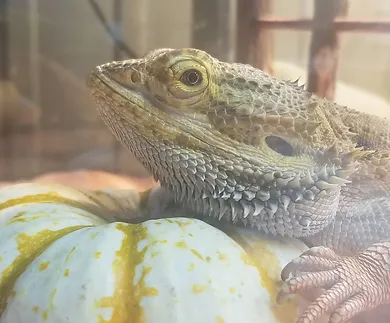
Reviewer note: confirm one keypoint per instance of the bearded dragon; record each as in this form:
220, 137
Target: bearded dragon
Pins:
231, 142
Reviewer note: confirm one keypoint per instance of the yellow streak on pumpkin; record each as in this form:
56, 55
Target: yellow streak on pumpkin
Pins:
197, 254
127, 297
232, 290
45, 314
191, 267
155, 253
44, 265
198, 288
98, 254
54, 197
181, 244
146, 291
259, 256
29, 248
49, 197
66, 272
182, 223
94, 235
18, 218
24, 216
51, 296
219, 319
159, 241
222, 256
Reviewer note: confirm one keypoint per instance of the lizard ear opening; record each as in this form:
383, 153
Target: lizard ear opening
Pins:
279, 145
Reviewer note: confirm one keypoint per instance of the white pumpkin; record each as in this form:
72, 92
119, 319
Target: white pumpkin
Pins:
63, 258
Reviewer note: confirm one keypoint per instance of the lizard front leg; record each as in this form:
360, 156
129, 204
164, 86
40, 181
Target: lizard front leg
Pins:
353, 284
355, 273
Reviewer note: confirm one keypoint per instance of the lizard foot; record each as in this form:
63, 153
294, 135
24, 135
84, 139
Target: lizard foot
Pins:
351, 284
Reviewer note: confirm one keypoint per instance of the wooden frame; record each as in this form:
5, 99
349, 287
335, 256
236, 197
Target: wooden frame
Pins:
340, 25
327, 23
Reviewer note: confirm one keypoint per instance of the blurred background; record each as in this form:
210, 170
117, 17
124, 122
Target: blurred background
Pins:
48, 123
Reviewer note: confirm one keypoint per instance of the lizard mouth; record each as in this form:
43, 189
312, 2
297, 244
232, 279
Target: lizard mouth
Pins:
103, 86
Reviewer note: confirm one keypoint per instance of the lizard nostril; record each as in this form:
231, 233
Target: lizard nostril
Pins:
279, 145
135, 77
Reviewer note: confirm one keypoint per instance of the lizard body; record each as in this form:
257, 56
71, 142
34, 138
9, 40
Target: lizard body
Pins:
231, 142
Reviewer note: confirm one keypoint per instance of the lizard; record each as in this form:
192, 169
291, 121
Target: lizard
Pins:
228, 141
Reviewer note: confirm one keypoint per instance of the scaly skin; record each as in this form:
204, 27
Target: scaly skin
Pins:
229, 141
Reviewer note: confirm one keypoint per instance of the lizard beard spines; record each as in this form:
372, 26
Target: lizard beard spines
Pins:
344, 163
272, 201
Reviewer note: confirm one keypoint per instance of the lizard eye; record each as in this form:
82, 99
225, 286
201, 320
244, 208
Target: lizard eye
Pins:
187, 82
191, 77
279, 145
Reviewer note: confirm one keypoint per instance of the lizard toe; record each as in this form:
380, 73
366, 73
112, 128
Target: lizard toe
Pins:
307, 281
313, 260
307, 263
348, 309
322, 252
326, 303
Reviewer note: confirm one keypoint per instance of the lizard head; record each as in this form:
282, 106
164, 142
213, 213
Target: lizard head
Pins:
227, 139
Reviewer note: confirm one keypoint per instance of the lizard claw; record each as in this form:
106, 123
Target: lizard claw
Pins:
351, 284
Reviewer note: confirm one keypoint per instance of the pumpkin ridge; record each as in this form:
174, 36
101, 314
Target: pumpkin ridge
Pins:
268, 263
53, 197
126, 300
29, 252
